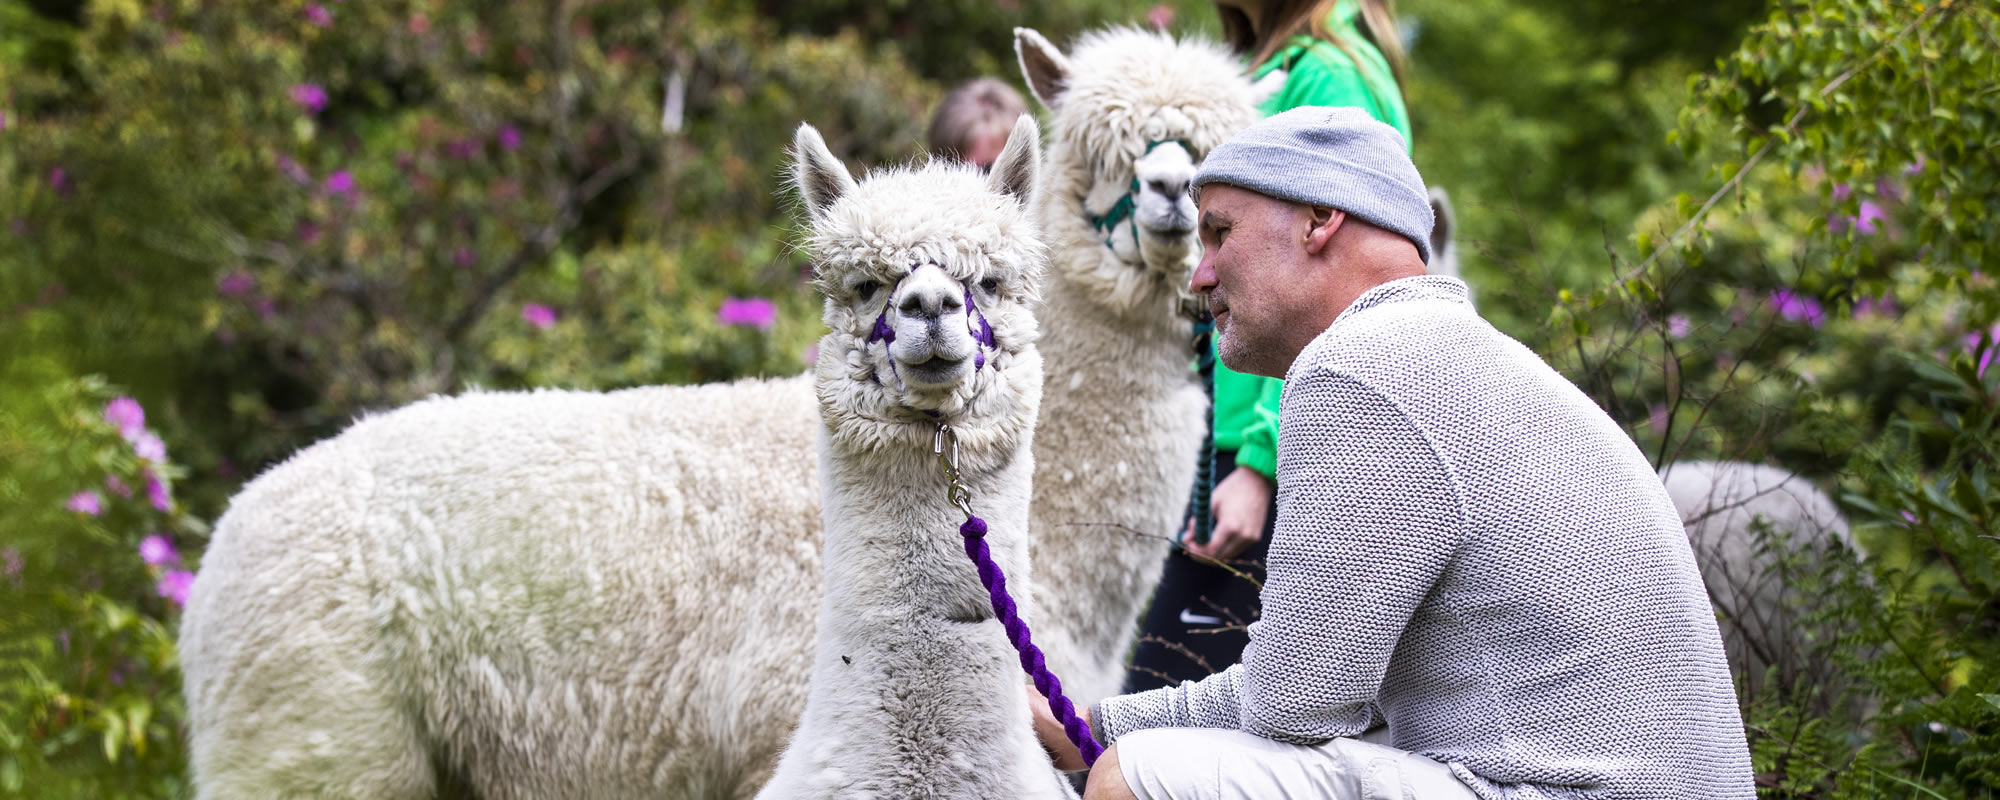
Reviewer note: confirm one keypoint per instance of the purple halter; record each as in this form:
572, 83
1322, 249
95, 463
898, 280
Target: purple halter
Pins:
975, 322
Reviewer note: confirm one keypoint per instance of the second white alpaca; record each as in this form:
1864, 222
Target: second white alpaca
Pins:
915, 690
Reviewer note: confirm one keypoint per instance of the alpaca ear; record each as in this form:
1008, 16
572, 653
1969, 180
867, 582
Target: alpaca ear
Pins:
1014, 170
1045, 67
1267, 87
821, 179
1443, 256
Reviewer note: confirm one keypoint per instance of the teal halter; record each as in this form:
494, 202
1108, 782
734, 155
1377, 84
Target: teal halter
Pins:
1122, 210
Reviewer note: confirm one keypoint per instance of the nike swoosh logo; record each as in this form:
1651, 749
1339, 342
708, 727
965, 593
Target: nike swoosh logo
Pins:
1191, 618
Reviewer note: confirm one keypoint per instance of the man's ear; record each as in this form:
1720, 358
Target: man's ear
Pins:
1324, 223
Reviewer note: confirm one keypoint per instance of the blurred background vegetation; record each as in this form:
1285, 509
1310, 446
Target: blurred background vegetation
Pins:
1753, 231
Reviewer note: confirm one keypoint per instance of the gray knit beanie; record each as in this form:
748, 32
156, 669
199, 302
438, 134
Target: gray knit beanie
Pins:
1331, 157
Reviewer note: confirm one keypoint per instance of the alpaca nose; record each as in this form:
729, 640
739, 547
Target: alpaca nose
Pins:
930, 303
1172, 186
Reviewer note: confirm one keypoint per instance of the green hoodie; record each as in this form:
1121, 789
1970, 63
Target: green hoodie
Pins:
1318, 73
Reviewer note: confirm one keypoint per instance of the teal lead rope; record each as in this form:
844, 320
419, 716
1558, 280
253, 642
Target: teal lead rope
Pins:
1204, 474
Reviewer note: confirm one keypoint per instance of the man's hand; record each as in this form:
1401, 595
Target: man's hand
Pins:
1050, 731
1239, 503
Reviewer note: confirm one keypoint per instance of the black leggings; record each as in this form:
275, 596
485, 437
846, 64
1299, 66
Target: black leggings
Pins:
1195, 625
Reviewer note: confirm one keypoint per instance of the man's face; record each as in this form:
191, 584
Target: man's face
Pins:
1252, 264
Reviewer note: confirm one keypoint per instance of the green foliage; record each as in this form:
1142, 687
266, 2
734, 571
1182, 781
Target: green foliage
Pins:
89, 684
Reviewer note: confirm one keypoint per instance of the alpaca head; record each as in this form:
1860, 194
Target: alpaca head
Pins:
1134, 112
927, 275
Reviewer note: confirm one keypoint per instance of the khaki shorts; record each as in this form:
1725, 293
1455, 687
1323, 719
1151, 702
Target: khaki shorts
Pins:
1217, 764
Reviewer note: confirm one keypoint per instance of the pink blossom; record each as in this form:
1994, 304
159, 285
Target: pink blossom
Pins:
236, 283
461, 148
117, 486
539, 315
510, 138
1909, 518
266, 308
11, 564
125, 413
1842, 191
59, 180
175, 585
318, 15
340, 183
759, 312
156, 491
1658, 419
1678, 326
149, 447
1798, 308
1871, 213
310, 95
462, 257
1993, 345
158, 550
292, 170
1915, 168
420, 24
1160, 16
85, 502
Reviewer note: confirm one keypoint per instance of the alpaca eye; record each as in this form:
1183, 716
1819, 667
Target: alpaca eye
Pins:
991, 285
866, 289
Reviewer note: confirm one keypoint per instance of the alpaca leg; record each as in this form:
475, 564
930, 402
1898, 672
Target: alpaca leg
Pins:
326, 732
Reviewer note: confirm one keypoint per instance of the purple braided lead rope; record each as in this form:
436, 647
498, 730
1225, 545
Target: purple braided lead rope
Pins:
1046, 682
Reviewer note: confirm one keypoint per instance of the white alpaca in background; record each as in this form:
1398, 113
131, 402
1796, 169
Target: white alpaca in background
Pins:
1732, 511
915, 691
1133, 113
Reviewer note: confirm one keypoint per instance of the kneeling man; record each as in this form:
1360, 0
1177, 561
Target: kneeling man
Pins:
1472, 563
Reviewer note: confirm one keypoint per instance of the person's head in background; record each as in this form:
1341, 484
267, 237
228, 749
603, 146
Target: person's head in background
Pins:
1259, 28
972, 121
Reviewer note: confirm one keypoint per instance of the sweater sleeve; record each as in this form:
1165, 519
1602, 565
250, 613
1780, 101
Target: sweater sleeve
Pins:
1368, 518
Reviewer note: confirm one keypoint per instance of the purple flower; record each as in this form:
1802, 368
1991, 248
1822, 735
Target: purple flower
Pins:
461, 148
1798, 308
59, 180
1870, 214
539, 315
148, 446
510, 138
340, 183
1840, 192
11, 564
117, 486
125, 413
158, 550
1678, 326
1993, 346
1909, 518
235, 283
462, 257
753, 311
266, 308
1916, 168
1160, 16
175, 585
310, 95
294, 171
318, 15
1658, 419
85, 502
156, 491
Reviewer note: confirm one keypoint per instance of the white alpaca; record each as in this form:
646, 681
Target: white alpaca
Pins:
915, 691
569, 594
1724, 504
1132, 115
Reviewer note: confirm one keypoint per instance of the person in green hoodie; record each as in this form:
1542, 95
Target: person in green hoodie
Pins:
1332, 53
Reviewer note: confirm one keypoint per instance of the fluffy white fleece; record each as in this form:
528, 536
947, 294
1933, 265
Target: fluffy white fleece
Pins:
1736, 513
1115, 453
915, 690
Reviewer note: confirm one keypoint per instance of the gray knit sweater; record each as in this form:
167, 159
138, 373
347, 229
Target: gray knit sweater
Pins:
1470, 550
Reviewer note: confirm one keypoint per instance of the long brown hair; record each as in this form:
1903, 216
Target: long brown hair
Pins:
1284, 19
